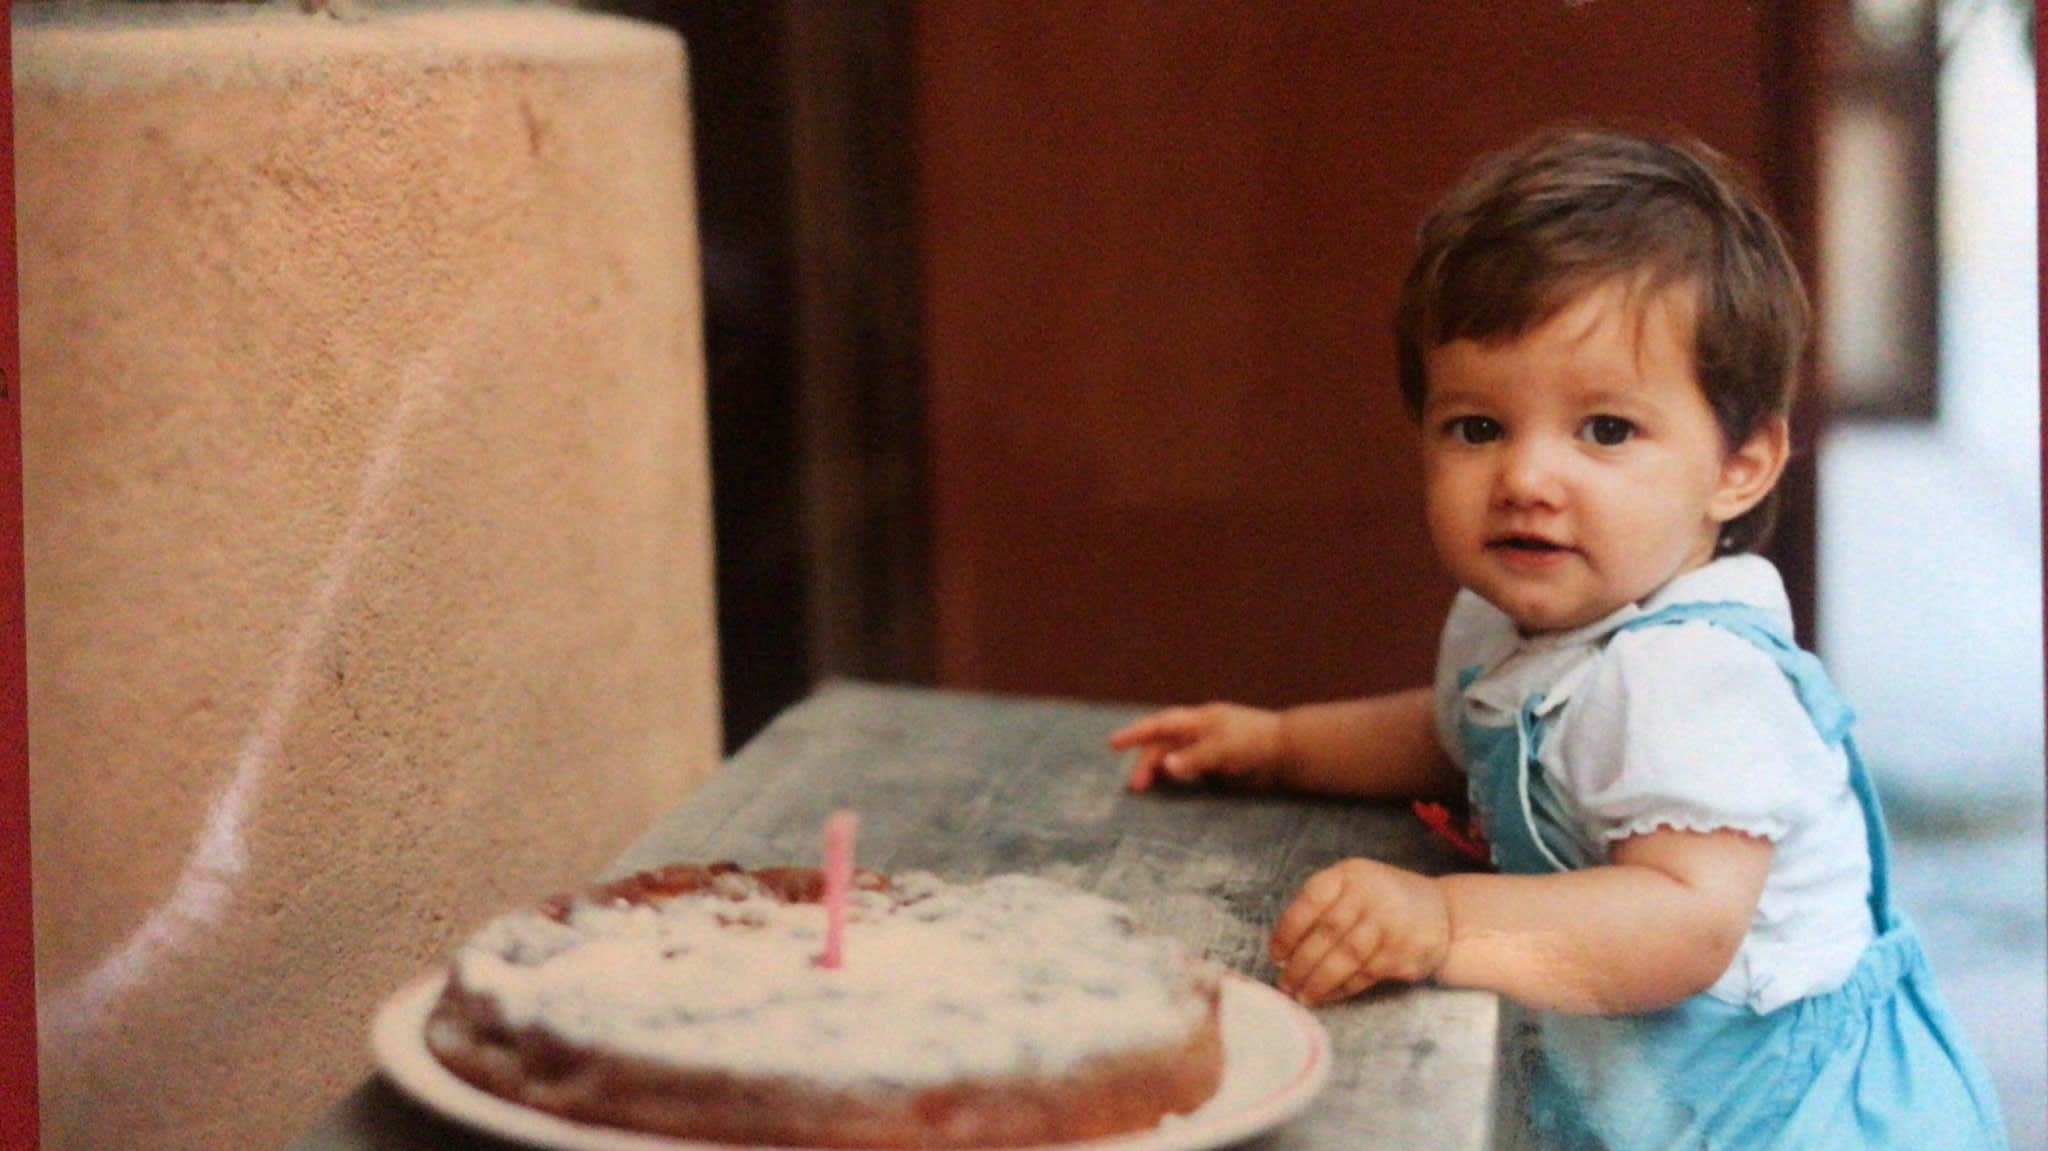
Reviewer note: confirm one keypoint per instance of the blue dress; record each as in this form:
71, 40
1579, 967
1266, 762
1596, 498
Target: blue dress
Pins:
1876, 1063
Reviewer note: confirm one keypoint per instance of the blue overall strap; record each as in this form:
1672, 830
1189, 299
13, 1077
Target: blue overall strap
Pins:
1831, 715
1500, 770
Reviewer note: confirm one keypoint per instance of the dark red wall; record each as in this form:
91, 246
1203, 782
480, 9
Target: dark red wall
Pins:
1161, 243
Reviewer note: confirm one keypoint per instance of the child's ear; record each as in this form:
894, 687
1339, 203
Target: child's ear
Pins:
1750, 472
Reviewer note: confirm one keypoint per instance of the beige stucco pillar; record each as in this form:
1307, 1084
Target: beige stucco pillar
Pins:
368, 528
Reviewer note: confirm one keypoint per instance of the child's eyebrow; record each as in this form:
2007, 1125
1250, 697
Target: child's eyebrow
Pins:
1628, 396
1609, 394
1453, 398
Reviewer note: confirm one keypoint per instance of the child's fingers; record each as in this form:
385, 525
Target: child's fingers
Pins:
1301, 915
1315, 949
1126, 738
1176, 764
1341, 944
1356, 924
1174, 725
1194, 761
1359, 982
1154, 738
1319, 975
1145, 768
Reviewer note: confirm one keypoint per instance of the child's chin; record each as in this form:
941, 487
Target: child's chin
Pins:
1537, 618
1550, 602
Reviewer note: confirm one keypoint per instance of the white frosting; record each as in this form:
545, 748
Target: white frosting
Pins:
1014, 975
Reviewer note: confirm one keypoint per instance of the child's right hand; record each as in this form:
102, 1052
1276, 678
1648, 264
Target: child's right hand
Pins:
1223, 740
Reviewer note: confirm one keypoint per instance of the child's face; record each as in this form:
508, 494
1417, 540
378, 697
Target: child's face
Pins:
1577, 467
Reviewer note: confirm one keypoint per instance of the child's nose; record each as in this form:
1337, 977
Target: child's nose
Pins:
1531, 474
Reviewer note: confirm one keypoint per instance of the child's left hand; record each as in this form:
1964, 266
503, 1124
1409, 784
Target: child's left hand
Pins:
1358, 923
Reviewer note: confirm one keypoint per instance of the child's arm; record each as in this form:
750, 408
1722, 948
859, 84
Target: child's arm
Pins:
1659, 923
1378, 747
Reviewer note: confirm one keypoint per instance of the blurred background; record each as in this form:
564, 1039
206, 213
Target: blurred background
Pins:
1048, 354
1930, 514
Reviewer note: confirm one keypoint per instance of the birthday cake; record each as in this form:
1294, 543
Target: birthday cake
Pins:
707, 1002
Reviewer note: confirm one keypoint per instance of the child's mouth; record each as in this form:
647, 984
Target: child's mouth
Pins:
1530, 546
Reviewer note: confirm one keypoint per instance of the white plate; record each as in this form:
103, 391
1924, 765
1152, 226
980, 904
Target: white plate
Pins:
1276, 1057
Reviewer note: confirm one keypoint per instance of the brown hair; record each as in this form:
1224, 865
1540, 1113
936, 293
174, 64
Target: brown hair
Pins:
1530, 229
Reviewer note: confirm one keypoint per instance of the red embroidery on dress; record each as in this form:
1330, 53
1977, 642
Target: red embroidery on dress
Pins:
1470, 840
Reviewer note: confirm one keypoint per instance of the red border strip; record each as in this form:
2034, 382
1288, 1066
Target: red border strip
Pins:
18, 1116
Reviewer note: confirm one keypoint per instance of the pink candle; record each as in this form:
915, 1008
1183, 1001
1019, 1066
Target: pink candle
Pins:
839, 828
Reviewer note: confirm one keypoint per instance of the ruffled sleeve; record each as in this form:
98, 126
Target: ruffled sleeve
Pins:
1691, 728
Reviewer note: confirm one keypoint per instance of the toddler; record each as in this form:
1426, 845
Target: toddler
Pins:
1600, 339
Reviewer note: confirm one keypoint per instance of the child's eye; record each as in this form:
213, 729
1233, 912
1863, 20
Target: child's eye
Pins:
1608, 431
1473, 429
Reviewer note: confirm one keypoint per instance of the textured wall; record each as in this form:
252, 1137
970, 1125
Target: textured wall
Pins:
369, 581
